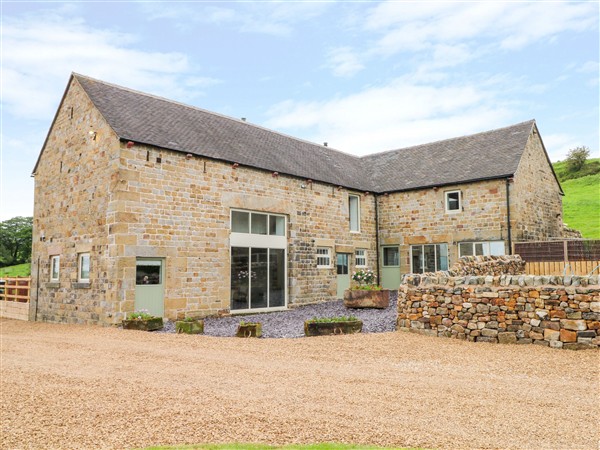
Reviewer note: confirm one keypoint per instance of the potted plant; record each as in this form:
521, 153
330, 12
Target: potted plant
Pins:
249, 329
366, 294
142, 320
322, 326
190, 325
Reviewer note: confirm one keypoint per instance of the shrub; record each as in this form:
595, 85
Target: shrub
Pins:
576, 158
364, 277
142, 314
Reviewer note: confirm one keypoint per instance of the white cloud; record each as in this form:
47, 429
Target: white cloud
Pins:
39, 56
343, 62
414, 26
399, 114
272, 18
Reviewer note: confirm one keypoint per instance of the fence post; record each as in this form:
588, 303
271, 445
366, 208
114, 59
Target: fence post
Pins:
566, 251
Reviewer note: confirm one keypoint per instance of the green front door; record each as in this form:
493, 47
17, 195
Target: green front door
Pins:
343, 273
149, 285
390, 267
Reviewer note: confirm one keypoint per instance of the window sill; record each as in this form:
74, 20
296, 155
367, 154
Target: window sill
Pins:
53, 284
81, 285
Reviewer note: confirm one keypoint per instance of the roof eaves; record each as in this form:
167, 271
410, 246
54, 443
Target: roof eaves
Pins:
454, 183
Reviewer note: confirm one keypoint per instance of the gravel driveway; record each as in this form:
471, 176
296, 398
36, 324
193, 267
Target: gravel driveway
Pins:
88, 387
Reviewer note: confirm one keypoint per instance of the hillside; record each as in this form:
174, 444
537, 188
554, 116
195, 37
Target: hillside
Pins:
581, 203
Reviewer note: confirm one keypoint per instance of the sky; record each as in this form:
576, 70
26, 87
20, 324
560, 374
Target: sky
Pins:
363, 76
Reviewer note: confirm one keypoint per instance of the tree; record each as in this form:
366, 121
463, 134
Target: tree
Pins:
15, 240
576, 158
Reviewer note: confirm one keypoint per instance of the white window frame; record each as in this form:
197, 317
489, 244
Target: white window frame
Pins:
487, 247
54, 263
262, 241
357, 230
325, 255
360, 257
435, 258
239, 239
447, 203
80, 258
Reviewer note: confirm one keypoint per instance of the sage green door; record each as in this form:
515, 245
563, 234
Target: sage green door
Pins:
149, 285
390, 267
343, 273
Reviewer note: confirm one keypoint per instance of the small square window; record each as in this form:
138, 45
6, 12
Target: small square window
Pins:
323, 257
276, 225
453, 201
259, 223
54, 268
360, 257
391, 257
240, 222
83, 271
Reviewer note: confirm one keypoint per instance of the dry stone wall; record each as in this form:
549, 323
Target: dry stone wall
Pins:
560, 312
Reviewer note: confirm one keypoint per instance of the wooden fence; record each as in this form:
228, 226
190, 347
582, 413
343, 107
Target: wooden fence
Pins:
567, 257
14, 298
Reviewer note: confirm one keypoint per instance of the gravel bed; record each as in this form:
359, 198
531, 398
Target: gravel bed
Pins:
290, 324
89, 387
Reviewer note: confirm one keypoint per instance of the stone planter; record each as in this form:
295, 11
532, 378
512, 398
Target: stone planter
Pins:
249, 330
358, 298
155, 323
329, 328
190, 326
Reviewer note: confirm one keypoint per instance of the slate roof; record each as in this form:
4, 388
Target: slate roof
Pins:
148, 119
488, 155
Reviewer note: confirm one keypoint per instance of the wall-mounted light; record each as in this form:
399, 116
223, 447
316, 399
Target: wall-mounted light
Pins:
275, 174
130, 144
92, 134
303, 186
235, 165
189, 156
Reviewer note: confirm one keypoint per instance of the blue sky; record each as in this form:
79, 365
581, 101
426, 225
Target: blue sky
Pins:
363, 76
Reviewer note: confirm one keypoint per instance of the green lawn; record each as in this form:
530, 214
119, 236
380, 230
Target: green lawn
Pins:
20, 270
581, 205
591, 167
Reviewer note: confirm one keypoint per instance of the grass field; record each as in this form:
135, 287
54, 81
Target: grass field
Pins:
581, 203
20, 270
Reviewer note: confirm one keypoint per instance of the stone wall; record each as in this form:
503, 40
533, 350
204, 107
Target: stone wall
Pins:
488, 265
560, 312
118, 202
420, 217
537, 210
76, 188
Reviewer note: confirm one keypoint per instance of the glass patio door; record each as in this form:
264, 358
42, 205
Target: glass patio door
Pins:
257, 278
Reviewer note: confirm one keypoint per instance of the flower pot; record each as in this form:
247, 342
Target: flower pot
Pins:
358, 298
249, 330
329, 328
190, 327
154, 323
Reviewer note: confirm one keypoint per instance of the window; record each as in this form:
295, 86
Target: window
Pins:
428, 258
494, 248
148, 272
354, 207
54, 268
83, 268
453, 201
391, 257
323, 257
257, 223
360, 257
